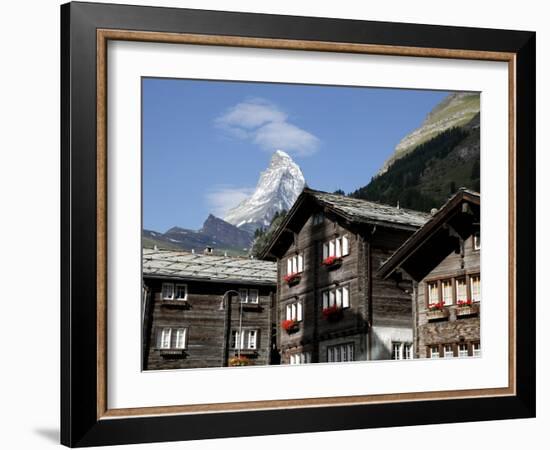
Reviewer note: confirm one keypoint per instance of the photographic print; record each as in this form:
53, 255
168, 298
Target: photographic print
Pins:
289, 224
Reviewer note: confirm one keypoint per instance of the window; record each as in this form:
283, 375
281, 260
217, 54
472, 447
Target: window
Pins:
336, 247
396, 350
448, 351
462, 350
461, 293
181, 334
300, 358
401, 350
295, 264
338, 296
248, 295
318, 218
477, 241
172, 338
434, 351
341, 353
475, 288
476, 349
447, 291
246, 339
167, 291
294, 311
181, 292
433, 293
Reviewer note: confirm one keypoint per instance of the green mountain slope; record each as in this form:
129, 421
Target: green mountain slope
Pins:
431, 172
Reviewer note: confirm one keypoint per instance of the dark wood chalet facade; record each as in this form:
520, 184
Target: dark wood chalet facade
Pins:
443, 259
206, 311
330, 305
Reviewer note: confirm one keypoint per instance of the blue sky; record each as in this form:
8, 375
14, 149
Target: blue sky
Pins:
206, 142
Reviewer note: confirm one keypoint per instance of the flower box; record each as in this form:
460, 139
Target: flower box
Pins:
290, 326
466, 308
293, 278
437, 313
333, 313
332, 262
239, 361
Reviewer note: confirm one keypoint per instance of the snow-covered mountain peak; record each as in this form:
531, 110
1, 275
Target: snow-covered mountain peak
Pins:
278, 188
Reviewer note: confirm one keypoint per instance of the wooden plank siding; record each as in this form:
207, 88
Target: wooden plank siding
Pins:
452, 330
205, 322
388, 303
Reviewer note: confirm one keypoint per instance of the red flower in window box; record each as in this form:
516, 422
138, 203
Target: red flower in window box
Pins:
332, 261
293, 278
290, 326
333, 313
239, 361
462, 303
440, 306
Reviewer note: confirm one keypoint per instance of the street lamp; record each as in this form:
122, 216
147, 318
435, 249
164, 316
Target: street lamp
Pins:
227, 325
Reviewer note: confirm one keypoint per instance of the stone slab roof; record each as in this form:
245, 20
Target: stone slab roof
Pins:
359, 210
186, 265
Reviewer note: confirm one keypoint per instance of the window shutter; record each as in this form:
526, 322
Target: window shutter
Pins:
339, 297
299, 311
288, 312
338, 251
325, 251
300, 263
345, 297
345, 245
325, 299
289, 266
331, 248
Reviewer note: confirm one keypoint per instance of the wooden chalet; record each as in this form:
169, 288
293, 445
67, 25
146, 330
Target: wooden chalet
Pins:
331, 306
206, 311
443, 259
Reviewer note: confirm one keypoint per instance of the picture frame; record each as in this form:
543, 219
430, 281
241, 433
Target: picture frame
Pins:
86, 418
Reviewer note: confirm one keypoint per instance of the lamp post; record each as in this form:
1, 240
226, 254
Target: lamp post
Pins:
226, 304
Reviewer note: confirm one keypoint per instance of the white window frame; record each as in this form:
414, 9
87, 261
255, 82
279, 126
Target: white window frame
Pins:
243, 295
252, 339
295, 264
396, 350
181, 299
462, 353
181, 338
340, 296
251, 298
447, 292
407, 350
434, 352
433, 287
477, 241
338, 247
295, 311
463, 297
476, 349
477, 296
165, 341
448, 353
172, 288
341, 352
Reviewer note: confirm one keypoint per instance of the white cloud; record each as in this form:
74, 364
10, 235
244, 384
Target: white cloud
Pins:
264, 124
223, 197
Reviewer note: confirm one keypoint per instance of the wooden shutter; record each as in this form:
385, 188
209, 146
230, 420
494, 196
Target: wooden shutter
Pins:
300, 263
345, 297
289, 266
299, 315
345, 245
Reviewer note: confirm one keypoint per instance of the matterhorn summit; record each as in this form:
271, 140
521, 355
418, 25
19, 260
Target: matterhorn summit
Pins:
278, 188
